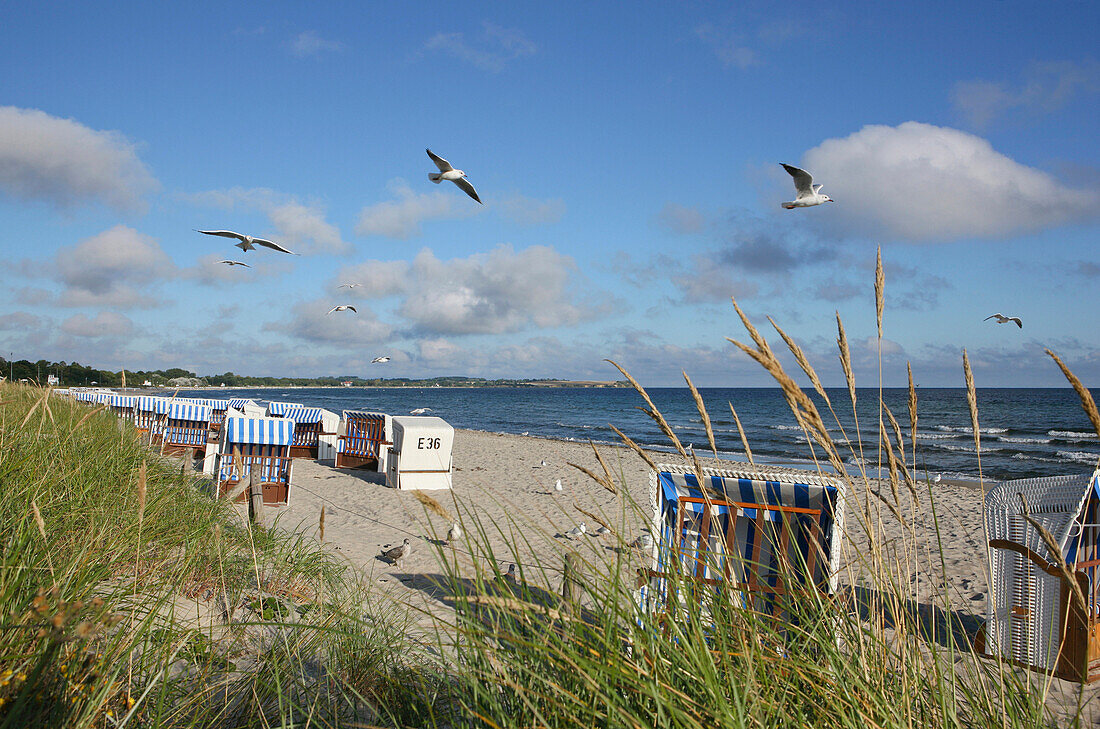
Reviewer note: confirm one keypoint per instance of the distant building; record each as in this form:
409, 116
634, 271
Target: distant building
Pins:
346, 383
147, 384
53, 380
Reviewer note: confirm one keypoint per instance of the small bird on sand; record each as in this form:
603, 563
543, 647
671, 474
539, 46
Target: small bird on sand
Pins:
644, 541
557, 485
602, 531
447, 172
396, 554
348, 286
542, 464
809, 194
576, 532
343, 307
380, 360
938, 478
235, 263
454, 533
419, 411
247, 242
512, 575
1002, 319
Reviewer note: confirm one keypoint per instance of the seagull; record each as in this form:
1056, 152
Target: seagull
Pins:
396, 554
348, 286
511, 575
419, 411
644, 541
446, 172
602, 531
455, 532
809, 194
247, 243
1002, 319
235, 263
542, 464
379, 360
343, 307
557, 485
577, 531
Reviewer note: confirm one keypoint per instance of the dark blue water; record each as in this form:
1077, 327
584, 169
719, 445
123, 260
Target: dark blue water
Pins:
1024, 432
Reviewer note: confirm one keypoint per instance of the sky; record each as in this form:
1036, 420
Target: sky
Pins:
628, 162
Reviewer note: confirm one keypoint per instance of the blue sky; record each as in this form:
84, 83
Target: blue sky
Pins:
627, 159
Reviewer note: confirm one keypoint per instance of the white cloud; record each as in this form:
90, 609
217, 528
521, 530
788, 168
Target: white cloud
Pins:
104, 324
113, 268
65, 163
310, 321
496, 292
310, 43
376, 279
728, 46
401, 218
491, 51
529, 211
21, 320
704, 282
1047, 87
921, 182
299, 226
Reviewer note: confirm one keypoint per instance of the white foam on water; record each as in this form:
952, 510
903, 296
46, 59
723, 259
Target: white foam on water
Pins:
1071, 434
1078, 456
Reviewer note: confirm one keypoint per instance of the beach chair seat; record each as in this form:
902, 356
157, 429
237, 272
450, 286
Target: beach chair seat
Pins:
1034, 617
763, 539
362, 439
255, 444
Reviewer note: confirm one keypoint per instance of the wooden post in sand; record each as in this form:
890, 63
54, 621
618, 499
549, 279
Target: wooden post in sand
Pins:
255, 498
569, 584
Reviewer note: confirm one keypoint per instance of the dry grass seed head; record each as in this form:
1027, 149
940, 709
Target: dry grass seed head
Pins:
912, 413
634, 447
880, 291
652, 410
845, 359
321, 525
141, 491
803, 362
592, 475
609, 482
703, 414
741, 432
972, 401
432, 505
597, 519
1087, 401
39, 521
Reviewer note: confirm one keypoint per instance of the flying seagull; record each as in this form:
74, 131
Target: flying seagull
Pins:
379, 360
247, 243
348, 286
396, 554
342, 307
809, 194
235, 263
1002, 319
446, 172
419, 411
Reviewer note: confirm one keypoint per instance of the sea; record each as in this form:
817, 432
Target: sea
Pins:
1023, 432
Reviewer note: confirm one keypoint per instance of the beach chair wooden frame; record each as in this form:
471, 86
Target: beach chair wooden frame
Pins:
766, 553
361, 440
1034, 618
270, 457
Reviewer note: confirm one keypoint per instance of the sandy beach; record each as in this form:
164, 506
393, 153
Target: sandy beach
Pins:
499, 481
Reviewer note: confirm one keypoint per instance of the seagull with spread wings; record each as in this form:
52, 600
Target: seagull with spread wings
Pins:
1002, 319
247, 242
447, 172
809, 194
235, 263
380, 360
348, 286
343, 307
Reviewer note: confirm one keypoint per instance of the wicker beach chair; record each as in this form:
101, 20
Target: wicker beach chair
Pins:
363, 439
260, 444
277, 409
763, 536
123, 406
186, 428
308, 429
149, 415
1033, 617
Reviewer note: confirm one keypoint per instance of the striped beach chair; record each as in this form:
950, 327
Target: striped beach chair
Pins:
363, 440
149, 412
186, 427
123, 406
260, 444
277, 409
307, 430
761, 535
243, 406
1034, 617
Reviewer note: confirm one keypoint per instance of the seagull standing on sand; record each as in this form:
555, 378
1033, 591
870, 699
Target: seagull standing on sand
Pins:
447, 172
343, 307
644, 541
576, 532
396, 554
1002, 319
809, 194
380, 360
235, 263
455, 532
247, 243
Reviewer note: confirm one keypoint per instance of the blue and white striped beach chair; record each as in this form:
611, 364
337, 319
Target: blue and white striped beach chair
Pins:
123, 406
262, 444
759, 535
149, 412
186, 427
307, 430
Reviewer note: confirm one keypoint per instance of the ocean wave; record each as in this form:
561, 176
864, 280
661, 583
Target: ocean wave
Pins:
968, 429
965, 449
1014, 439
1078, 456
1027, 457
1070, 434
785, 427
938, 436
